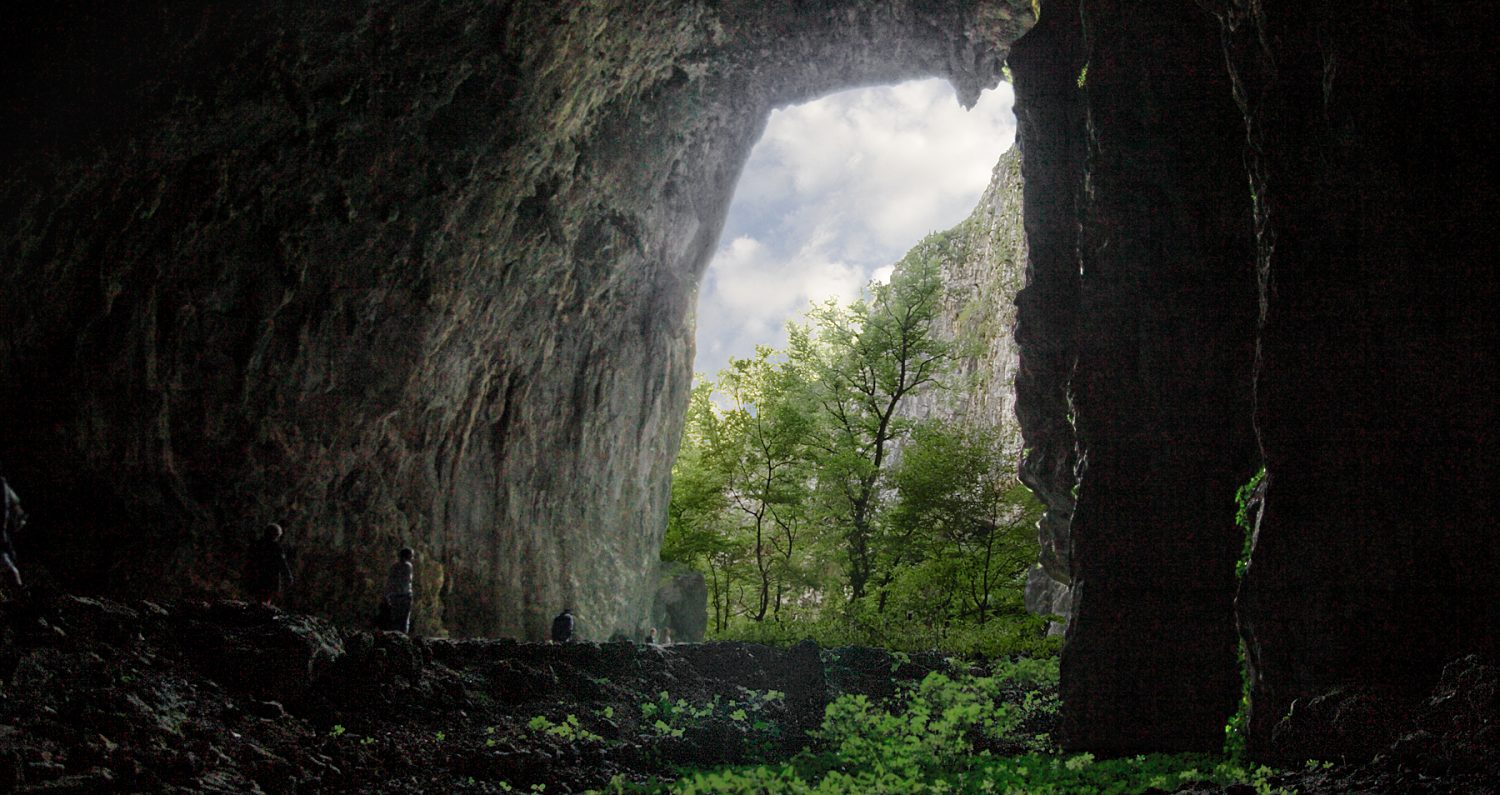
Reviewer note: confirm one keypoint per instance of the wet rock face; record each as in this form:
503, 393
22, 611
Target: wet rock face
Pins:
1376, 398
1336, 249
391, 273
1139, 321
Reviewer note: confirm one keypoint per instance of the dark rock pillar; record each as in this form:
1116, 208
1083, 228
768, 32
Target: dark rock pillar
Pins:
1371, 126
1161, 391
1050, 132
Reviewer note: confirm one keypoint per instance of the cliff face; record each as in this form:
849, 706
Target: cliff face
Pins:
1301, 230
982, 260
983, 267
391, 272
1378, 391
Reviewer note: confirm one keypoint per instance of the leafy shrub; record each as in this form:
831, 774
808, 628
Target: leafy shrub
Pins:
936, 736
568, 729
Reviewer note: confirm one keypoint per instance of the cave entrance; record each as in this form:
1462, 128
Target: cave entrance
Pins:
835, 194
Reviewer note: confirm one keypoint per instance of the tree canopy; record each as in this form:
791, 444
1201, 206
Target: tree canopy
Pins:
816, 506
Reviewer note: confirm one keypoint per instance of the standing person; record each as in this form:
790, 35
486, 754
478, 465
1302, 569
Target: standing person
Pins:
11, 520
398, 592
562, 626
268, 568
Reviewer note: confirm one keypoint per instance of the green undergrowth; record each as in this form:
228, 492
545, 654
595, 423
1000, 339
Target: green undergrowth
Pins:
1021, 634
1028, 773
955, 734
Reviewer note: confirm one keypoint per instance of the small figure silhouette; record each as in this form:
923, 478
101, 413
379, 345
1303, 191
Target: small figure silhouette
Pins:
269, 571
398, 592
562, 626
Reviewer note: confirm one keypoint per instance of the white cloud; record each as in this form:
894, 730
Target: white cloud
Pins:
836, 191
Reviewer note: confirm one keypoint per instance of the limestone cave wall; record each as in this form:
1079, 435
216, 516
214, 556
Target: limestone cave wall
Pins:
423, 271
389, 272
1378, 382
1260, 231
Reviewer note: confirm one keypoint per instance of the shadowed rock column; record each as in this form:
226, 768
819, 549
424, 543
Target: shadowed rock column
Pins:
1162, 388
1050, 133
1376, 559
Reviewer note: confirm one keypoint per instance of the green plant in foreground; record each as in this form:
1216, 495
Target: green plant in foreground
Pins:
936, 736
568, 729
669, 717
1235, 731
1244, 498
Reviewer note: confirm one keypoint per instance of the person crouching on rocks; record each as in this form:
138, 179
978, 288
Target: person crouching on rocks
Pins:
562, 626
398, 592
268, 568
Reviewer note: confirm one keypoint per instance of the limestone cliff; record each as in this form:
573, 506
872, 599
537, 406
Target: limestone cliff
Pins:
1255, 231
981, 261
983, 267
390, 272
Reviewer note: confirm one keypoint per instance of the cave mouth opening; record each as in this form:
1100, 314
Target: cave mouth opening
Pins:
834, 193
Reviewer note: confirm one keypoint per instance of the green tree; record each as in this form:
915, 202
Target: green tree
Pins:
768, 468
959, 505
865, 362
696, 513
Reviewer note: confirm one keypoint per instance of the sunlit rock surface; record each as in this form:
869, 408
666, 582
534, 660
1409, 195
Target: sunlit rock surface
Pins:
982, 261
983, 267
391, 272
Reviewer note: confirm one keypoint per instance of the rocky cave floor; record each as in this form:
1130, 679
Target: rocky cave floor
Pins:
103, 696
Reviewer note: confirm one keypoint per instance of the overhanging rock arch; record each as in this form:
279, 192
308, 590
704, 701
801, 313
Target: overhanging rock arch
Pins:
396, 271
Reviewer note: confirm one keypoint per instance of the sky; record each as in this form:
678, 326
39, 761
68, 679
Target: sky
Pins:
835, 192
